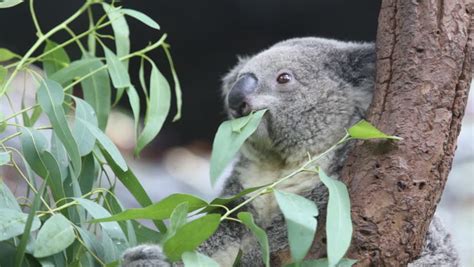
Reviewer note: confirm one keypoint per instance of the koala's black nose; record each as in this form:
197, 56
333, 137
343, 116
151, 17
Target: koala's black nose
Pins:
245, 85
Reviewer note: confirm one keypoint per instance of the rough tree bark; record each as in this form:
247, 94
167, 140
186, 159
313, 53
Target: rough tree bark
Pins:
423, 77
422, 82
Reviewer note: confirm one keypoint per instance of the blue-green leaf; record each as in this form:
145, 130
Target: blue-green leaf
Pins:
4, 158
134, 101
118, 72
105, 142
178, 218
34, 147
121, 30
76, 69
158, 211
364, 130
12, 223
112, 229
157, 108
338, 221
51, 97
191, 235
145, 19
97, 92
247, 219
299, 214
195, 259
56, 235
177, 86
227, 142
56, 60
6, 54
84, 138
7, 199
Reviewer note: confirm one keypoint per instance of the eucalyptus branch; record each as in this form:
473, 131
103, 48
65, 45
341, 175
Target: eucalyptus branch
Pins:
303, 168
35, 19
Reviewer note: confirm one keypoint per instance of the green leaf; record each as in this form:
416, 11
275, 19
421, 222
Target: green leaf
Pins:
228, 142
113, 205
118, 72
91, 242
158, 211
178, 218
20, 253
191, 235
4, 158
145, 19
121, 30
177, 86
225, 201
51, 97
134, 101
97, 91
84, 138
112, 229
145, 234
56, 60
59, 153
56, 235
130, 181
195, 259
34, 146
7, 199
157, 108
3, 77
104, 141
299, 214
12, 223
364, 130
6, 54
247, 219
122, 40
76, 69
338, 221
89, 173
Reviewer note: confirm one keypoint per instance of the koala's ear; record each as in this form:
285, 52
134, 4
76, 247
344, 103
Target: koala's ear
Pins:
357, 64
231, 77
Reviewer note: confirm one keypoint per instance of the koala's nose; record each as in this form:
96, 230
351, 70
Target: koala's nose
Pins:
237, 98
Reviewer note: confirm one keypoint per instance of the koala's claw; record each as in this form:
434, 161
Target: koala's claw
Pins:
145, 256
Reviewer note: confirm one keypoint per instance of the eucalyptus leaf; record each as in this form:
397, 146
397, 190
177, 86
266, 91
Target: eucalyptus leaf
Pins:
365, 130
12, 223
227, 142
178, 218
158, 211
113, 205
177, 85
56, 60
97, 91
89, 173
3, 77
145, 19
84, 138
131, 182
91, 241
299, 214
338, 221
51, 97
157, 108
118, 72
34, 148
121, 30
191, 235
59, 153
4, 158
7, 199
112, 229
134, 101
6, 54
247, 219
195, 259
104, 141
76, 69
225, 201
56, 235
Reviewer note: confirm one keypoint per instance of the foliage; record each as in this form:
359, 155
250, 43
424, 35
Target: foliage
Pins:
70, 219
71, 153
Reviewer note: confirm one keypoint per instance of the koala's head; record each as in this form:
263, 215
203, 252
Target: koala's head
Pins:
313, 89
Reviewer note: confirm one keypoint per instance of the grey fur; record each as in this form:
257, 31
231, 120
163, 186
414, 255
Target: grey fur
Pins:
331, 90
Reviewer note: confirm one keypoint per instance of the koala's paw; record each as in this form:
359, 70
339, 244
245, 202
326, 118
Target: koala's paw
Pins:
145, 256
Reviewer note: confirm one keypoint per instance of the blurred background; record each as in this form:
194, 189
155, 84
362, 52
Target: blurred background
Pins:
206, 37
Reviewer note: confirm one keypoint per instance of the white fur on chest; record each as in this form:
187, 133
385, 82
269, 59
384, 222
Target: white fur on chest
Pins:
266, 205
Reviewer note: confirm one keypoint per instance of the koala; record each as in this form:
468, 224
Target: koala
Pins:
313, 89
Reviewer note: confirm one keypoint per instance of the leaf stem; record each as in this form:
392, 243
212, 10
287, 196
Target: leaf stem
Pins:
35, 19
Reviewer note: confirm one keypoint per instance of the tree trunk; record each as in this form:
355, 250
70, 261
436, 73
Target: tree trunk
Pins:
422, 83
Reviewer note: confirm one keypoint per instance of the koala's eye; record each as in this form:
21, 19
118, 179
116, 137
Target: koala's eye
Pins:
284, 78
